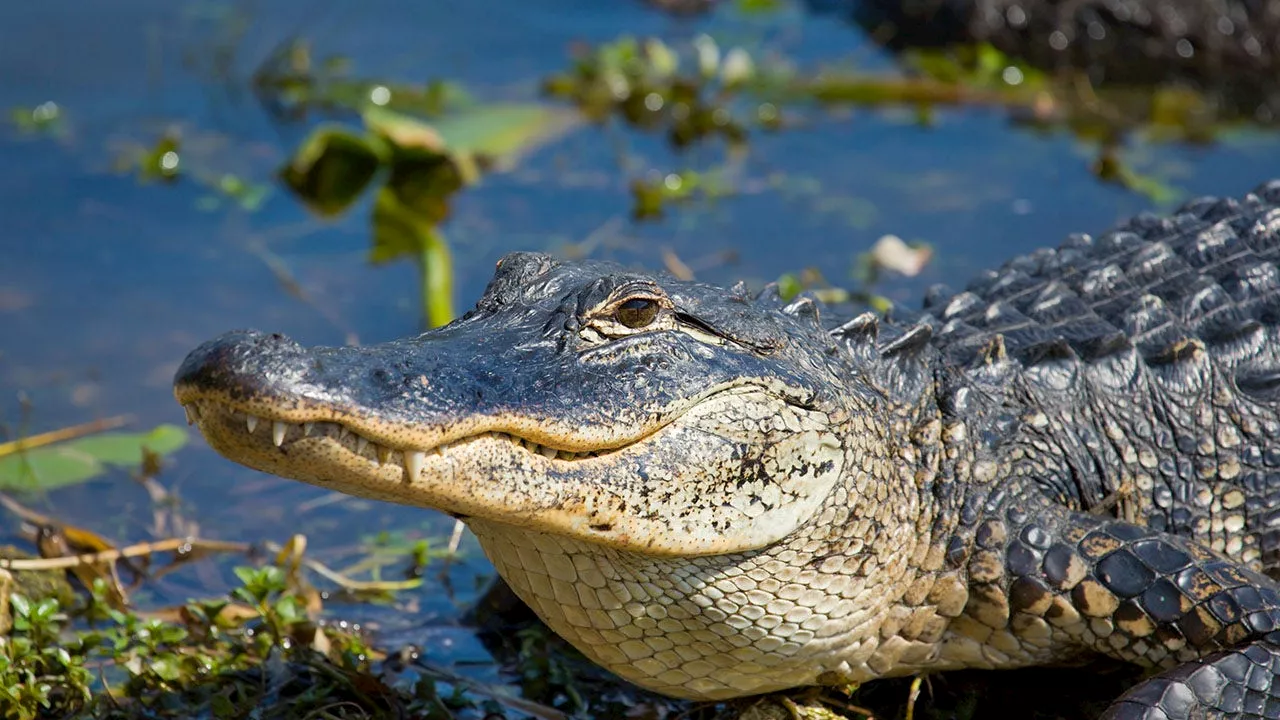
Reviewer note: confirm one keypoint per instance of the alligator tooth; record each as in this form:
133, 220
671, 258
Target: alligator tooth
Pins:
277, 432
548, 452
307, 428
383, 453
343, 433
566, 455
251, 422
191, 414
361, 444
413, 462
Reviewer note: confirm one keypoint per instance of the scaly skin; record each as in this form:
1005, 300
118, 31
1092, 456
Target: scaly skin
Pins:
1218, 42
716, 495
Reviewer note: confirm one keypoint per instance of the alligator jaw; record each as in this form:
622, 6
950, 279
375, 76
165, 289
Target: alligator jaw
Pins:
329, 452
592, 495
219, 418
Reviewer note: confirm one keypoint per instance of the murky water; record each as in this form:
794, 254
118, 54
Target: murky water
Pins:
106, 281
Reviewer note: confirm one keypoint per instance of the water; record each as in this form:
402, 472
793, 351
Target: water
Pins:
106, 282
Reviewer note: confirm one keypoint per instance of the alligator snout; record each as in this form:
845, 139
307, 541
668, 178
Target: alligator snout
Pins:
242, 364
427, 383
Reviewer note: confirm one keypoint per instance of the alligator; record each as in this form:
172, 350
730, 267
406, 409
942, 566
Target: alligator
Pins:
717, 493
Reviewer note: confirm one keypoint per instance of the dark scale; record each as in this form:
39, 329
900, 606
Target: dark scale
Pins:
1147, 597
1059, 562
1124, 574
1022, 559
1148, 426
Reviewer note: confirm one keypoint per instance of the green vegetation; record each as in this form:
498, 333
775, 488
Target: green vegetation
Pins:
264, 649
47, 118
25, 466
292, 85
699, 93
415, 147
162, 161
413, 169
644, 84
222, 657
652, 195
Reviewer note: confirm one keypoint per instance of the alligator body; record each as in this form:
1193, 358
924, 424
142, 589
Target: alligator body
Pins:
715, 493
1224, 43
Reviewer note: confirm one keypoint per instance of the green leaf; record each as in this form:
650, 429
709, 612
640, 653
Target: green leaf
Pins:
166, 668
429, 162
498, 133
245, 574
401, 231
505, 132
331, 169
126, 448
789, 286
289, 610
404, 131
76, 461
21, 605
397, 230
46, 609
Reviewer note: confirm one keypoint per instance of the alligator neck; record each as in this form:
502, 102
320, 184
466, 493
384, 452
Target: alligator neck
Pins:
826, 602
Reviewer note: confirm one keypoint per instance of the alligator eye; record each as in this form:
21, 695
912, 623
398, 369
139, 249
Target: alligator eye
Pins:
636, 312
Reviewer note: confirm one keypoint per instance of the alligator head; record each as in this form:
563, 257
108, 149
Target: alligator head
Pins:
618, 414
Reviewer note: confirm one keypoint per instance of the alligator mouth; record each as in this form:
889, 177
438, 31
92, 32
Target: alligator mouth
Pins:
630, 486
219, 421
297, 429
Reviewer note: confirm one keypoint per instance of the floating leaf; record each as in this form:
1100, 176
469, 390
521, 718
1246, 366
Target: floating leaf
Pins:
331, 168
47, 117
505, 131
423, 183
404, 131
492, 133
75, 461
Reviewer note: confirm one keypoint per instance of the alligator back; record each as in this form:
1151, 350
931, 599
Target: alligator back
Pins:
1136, 373
1113, 40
